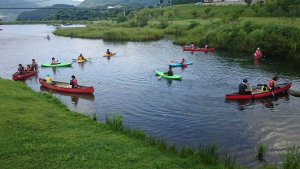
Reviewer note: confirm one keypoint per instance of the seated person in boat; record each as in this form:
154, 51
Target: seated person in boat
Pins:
183, 61
272, 83
28, 68
243, 88
193, 46
108, 52
80, 57
49, 79
170, 72
21, 69
53, 62
73, 82
34, 65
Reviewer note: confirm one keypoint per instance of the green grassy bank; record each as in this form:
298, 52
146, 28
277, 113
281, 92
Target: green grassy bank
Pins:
232, 27
38, 131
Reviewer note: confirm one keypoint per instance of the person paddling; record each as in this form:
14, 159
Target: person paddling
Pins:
73, 82
34, 65
80, 57
53, 62
243, 87
170, 72
183, 63
49, 79
21, 69
193, 46
272, 83
108, 52
28, 68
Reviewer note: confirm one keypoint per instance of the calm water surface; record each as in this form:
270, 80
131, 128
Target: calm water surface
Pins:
188, 112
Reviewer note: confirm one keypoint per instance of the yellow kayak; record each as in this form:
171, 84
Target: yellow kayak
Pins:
80, 61
108, 55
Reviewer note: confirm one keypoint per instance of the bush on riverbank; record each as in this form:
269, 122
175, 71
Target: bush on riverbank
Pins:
220, 27
37, 131
112, 33
276, 41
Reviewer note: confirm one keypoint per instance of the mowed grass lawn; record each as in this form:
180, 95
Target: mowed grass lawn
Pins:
38, 131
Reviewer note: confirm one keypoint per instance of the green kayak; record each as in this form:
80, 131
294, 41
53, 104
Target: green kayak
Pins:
162, 74
57, 65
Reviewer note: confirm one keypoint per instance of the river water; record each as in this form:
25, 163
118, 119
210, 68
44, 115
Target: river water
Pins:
190, 112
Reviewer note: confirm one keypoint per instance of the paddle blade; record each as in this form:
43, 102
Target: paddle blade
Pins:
159, 77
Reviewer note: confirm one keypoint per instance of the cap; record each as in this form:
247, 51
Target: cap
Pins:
48, 75
73, 76
245, 80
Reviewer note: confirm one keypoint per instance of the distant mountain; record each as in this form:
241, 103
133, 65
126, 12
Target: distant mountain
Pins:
53, 2
11, 14
130, 3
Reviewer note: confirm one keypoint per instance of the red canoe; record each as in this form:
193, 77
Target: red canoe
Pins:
63, 87
199, 49
257, 93
23, 76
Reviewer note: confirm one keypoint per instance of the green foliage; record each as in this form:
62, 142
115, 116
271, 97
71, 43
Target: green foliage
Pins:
261, 152
115, 121
292, 158
163, 23
121, 18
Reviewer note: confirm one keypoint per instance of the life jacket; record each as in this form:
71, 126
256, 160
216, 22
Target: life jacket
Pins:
48, 80
271, 83
258, 54
74, 83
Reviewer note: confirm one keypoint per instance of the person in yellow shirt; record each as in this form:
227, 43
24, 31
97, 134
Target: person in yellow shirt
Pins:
80, 57
49, 79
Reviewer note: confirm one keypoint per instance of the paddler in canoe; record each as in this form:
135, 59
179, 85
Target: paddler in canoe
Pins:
53, 62
73, 82
28, 68
34, 65
21, 70
108, 52
244, 87
170, 72
183, 61
49, 80
81, 58
193, 46
272, 83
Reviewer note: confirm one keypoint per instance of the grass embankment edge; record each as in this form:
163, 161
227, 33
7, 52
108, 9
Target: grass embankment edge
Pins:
38, 131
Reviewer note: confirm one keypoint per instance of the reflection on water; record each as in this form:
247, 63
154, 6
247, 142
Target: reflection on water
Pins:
74, 96
268, 102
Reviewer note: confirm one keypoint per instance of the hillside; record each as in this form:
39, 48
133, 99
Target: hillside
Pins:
11, 14
129, 3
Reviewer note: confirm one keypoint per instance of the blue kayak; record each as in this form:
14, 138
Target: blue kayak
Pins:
179, 64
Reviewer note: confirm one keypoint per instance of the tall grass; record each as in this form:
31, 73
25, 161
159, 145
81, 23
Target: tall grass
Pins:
206, 154
292, 158
112, 33
115, 121
261, 152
